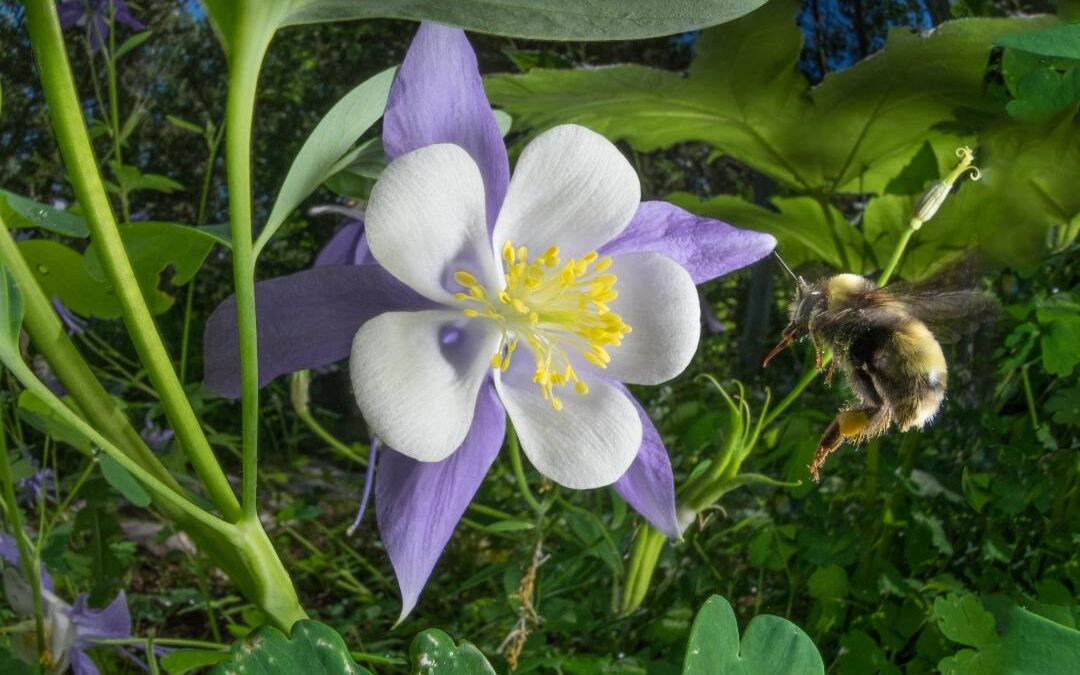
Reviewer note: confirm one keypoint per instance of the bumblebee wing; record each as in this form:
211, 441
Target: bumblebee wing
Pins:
950, 315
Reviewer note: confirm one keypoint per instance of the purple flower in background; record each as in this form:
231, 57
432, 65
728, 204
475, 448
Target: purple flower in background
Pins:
94, 16
75, 324
534, 296
69, 629
157, 438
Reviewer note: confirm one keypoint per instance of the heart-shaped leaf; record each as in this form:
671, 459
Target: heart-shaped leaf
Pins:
433, 652
312, 649
770, 646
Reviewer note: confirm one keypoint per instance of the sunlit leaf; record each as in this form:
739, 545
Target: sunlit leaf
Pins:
20, 212
1060, 41
433, 652
770, 646
744, 96
154, 247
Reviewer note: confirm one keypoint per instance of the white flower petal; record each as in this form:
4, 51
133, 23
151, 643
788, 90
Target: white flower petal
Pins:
658, 300
571, 188
416, 376
425, 220
590, 443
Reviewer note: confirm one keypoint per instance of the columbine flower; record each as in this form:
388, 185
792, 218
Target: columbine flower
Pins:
94, 15
69, 629
534, 296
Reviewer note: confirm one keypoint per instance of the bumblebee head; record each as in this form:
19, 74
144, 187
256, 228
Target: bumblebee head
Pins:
807, 300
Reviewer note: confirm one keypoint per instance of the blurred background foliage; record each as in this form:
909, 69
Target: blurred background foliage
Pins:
821, 122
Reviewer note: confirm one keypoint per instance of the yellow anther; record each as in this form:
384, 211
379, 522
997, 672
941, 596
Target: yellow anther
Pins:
465, 279
559, 309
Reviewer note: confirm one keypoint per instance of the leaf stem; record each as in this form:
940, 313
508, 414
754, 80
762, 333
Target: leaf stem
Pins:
29, 562
245, 60
66, 113
519, 471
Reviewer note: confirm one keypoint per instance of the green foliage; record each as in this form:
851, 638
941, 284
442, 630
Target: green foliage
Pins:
184, 661
770, 646
884, 127
19, 212
312, 648
329, 148
433, 652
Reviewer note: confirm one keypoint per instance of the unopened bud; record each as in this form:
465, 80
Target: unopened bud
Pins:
935, 195
298, 390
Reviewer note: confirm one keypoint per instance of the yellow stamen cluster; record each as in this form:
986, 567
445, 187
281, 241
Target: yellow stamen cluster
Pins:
556, 307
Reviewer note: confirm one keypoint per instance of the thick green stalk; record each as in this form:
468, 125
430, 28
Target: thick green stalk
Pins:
48, 335
63, 101
29, 562
244, 63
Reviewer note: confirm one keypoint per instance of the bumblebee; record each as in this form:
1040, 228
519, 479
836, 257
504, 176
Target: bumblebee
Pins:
886, 343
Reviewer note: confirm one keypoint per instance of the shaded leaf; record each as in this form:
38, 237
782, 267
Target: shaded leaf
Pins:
327, 150
43, 418
184, 661
61, 273
124, 483
962, 618
312, 649
1060, 41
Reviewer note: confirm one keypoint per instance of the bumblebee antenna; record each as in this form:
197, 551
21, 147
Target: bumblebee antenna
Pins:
798, 280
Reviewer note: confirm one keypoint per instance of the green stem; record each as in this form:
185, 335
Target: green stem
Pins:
519, 471
648, 544
48, 335
28, 562
244, 63
63, 102
897, 254
1029, 395
114, 118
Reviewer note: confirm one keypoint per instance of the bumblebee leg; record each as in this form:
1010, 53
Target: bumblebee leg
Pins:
847, 424
831, 372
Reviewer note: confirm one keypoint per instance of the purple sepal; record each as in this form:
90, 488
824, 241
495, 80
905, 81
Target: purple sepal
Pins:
707, 248
305, 320
438, 97
649, 485
348, 246
9, 551
111, 623
418, 504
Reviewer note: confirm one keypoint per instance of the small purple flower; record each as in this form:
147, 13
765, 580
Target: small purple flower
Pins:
157, 438
534, 295
70, 630
39, 484
94, 15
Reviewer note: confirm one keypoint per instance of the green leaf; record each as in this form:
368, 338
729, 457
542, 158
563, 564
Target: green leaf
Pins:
433, 652
11, 665
538, 19
42, 417
131, 43
181, 123
962, 618
770, 646
1060, 41
828, 583
124, 483
20, 212
1064, 406
183, 661
61, 273
152, 247
313, 649
1029, 644
745, 97
918, 173
327, 149
134, 179
11, 314
1060, 337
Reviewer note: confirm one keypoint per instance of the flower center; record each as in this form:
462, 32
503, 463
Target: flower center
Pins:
557, 308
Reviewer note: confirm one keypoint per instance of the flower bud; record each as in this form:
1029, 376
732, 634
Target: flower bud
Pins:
935, 195
298, 391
